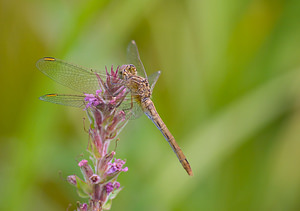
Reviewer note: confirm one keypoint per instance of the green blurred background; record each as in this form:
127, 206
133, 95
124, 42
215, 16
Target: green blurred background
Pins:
229, 92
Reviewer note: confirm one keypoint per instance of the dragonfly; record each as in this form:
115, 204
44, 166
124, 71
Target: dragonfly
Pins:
132, 75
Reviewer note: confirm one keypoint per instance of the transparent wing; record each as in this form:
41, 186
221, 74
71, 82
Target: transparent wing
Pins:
67, 100
72, 76
152, 79
133, 57
82, 80
131, 108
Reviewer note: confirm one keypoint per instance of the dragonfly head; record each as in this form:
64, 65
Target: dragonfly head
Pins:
127, 70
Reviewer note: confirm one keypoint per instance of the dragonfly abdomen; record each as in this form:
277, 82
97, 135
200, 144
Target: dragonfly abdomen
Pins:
150, 111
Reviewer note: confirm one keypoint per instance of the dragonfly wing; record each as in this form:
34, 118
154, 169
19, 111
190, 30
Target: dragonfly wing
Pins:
67, 100
131, 108
133, 57
72, 76
152, 79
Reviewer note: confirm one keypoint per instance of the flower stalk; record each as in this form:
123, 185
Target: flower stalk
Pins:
100, 183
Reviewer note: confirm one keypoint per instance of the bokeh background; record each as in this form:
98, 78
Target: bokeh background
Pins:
229, 92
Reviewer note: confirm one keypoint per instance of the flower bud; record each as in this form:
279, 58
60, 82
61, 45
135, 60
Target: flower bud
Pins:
116, 185
83, 207
85, 169
95, 179
72, 179
109, 187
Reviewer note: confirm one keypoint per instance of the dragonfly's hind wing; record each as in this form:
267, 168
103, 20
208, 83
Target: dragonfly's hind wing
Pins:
67, 100
75, 77
152, 79
133, 57
131, 108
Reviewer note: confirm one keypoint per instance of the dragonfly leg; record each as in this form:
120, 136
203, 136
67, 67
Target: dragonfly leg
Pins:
131, 106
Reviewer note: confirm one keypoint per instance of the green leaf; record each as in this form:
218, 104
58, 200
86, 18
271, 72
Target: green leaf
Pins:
107, 205
115, 193
84, 190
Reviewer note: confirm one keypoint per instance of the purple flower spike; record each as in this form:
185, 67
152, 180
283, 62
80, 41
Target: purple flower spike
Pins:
107, 120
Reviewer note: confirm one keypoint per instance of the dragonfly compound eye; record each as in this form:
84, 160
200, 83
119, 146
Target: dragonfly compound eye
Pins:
123, 71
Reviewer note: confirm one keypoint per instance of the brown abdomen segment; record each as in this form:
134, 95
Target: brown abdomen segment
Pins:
150, 111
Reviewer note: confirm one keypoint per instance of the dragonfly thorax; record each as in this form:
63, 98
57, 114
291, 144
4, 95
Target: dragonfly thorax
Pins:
137, 85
